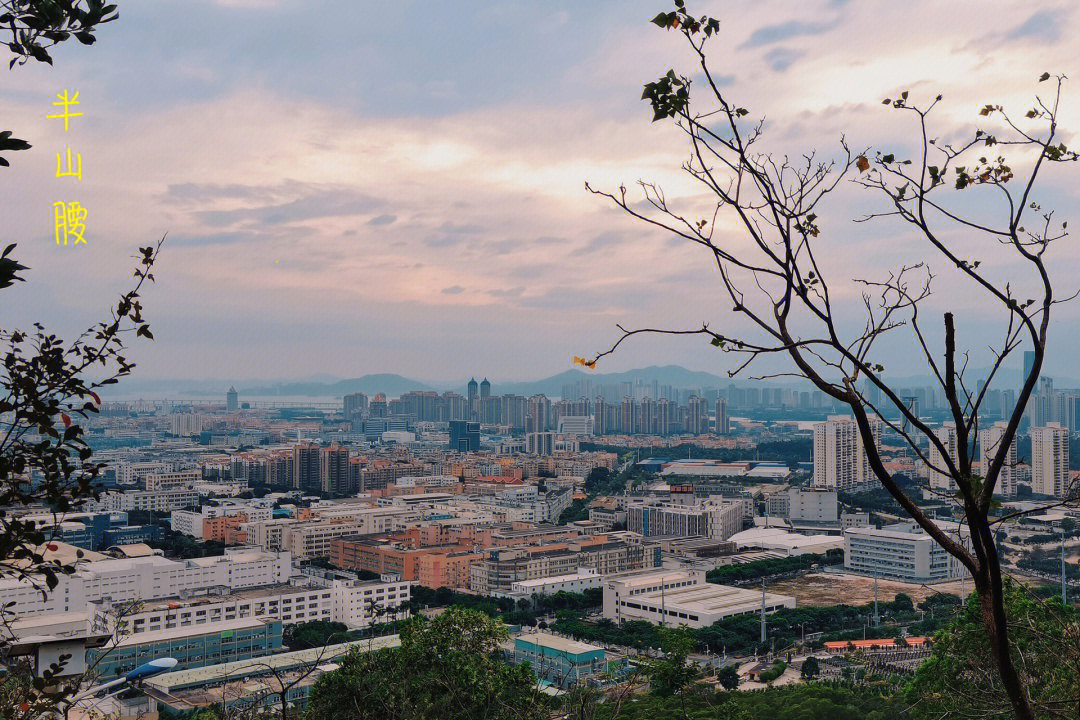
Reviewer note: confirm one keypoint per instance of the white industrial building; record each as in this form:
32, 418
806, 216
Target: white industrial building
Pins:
286, 603
786, 543
147, 578
903, 551
361, 603
159, 500
816, 506
681, 597
580, 581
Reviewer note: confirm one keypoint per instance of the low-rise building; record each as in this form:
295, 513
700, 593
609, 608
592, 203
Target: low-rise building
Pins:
578, 582
560, 661
288, 604
192, 647
148, 578
681, 597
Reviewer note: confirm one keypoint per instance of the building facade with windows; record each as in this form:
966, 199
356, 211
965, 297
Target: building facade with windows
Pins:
903, 551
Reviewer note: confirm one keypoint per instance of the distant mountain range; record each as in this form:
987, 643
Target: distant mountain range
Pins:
394, 385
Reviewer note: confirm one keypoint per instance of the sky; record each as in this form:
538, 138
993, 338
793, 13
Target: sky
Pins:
354, 187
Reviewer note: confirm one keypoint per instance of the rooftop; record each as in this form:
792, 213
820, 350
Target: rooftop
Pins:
561, 644
281, 661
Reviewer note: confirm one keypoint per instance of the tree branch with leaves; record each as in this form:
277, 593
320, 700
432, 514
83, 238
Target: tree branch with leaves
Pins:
762, 234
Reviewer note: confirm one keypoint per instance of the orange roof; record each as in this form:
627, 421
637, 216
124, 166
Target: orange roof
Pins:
502, 479
864, 644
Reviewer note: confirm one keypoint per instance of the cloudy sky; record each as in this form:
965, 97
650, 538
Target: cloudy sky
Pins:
352, 187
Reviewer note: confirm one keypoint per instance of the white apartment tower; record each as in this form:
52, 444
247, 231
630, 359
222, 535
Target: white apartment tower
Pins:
989, 443
937, 467
840, 460
1050, 460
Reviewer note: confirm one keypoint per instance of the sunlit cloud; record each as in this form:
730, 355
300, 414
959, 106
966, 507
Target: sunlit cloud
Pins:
437, 190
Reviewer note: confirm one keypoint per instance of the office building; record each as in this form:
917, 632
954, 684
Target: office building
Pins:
464, 436
714, 519
354, 405
575, 425
903, 551
186, 424
232, 399
813, 506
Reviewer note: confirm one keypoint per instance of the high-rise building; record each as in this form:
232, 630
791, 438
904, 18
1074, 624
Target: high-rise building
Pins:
378, 407
232, 399
485, 389
540, 443
187, 424
989, 444
720, 423
464, 436
840, 459
663, 416
600, 426
937, 470
334, 470
473, 392
1029, 363
355, 405
305, 475
539, 418
911, 402
1050, 460
696, 420
630, 416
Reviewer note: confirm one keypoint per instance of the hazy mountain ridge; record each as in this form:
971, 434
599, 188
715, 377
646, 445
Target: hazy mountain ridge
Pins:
393, 384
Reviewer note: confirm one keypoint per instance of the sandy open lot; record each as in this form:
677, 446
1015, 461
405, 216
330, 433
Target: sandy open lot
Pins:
817, 589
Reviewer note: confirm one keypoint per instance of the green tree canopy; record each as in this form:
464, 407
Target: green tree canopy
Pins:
449, 667
960, 672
